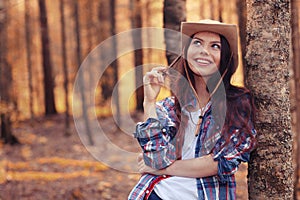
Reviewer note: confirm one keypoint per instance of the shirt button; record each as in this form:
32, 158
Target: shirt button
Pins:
164, 176
147, 191
164, 130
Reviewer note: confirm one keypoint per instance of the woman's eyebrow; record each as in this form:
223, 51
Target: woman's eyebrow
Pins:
209, 41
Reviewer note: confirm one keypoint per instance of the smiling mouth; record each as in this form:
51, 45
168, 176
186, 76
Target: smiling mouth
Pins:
203, 61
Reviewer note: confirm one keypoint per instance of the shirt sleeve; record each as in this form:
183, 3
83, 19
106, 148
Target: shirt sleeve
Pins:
233, 153
157, 136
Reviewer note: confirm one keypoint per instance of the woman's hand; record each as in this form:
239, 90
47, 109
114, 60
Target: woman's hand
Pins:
153, 81
143, 168
194, 168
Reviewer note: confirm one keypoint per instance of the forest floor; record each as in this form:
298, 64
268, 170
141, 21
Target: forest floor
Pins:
49, 165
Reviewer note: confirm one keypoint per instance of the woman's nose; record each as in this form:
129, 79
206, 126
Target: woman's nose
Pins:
204, 51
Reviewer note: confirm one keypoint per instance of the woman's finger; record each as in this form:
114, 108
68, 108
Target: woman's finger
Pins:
153, 77
140, 157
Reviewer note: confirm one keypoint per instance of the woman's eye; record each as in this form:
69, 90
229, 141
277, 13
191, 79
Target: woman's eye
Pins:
216, 46
197, 42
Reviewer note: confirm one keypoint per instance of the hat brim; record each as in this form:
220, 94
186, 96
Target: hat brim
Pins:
229, 31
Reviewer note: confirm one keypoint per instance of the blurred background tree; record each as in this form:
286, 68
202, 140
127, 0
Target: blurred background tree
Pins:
47, 63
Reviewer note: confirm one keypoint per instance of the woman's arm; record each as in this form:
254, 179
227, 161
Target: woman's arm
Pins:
149, 110
195, 168
153, 81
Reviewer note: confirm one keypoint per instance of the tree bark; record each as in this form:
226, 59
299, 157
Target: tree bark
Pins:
174, 14
65, 66
136, 22
110, 77
90, 29
296, 85
115, 64
6, 105
104, 33
201, 10
47, 65
267, 76
220, 5
212, 9
81, 75
28, 56
242, 17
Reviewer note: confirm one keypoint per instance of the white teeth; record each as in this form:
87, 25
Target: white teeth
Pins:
202, 61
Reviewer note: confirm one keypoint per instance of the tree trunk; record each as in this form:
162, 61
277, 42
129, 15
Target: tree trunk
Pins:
296, 85
174, 14
28, 55
89, 26
6, 107
201, 10
81, 75
104, 20
267, 76
114, 64
110, 76
220, 5
136, 22
47, 65
212, 9
242, 17
65, 67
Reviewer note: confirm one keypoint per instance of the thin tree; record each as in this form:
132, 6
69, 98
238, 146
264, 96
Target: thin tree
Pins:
114, 64
28, 55
106, 16
89, 24
212, 9
80, 75
201, 9
220, 10
90, 27
47, 65
104, 33
65, 67
6, 106
174, 12
136, 22
147, 16
296, 69
242, 17
267, 75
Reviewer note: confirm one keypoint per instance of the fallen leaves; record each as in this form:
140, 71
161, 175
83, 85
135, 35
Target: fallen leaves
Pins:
2, 172
46, 176
38, 169
72, 162
26, 152
48, 165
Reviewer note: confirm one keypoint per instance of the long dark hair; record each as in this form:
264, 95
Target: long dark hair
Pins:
237, 104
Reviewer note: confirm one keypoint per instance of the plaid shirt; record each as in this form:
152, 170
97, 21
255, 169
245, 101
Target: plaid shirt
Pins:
159, 142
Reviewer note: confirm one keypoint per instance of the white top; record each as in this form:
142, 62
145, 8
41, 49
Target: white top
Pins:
175, 187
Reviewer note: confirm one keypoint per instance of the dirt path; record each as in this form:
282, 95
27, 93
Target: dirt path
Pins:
49, 165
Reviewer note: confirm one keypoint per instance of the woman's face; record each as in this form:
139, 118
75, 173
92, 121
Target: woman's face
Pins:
204, 54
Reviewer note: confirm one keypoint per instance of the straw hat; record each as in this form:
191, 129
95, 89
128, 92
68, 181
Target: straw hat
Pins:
229, 31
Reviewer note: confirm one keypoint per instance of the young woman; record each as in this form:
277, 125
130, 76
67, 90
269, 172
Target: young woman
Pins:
194, 141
